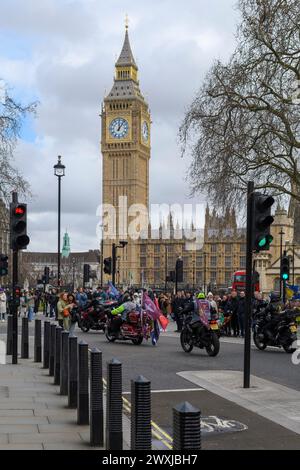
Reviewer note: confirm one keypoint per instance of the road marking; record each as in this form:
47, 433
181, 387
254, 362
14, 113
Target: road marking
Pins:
173, 390
157, 432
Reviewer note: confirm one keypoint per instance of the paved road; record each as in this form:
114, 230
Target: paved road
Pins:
161, 363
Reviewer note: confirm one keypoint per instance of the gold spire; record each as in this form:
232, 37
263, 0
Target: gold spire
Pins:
126, 22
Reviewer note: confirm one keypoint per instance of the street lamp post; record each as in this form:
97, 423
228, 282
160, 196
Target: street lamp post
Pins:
114, 258
73, 267
59, 171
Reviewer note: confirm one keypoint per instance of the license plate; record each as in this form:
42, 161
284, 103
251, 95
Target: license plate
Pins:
214, 326
293, 328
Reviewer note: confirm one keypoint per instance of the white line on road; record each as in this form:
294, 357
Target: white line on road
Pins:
174, 390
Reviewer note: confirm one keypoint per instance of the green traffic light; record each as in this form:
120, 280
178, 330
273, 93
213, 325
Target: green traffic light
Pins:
262, 242
285, 276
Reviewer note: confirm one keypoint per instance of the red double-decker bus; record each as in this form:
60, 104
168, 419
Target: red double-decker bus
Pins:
239, 281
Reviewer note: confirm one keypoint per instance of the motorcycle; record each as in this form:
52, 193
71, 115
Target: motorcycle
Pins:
283, 331
136, 328
202, 334
93, 317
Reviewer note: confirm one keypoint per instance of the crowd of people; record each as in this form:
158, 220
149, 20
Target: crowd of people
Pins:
228, 308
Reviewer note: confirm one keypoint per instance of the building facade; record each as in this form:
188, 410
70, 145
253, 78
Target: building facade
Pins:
32, 265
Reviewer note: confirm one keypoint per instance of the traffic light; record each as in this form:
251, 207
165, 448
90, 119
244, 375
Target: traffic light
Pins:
18, 226
46, 275
86, 272
108, 265
262, 219
3, 265
179, 270
285, 268
17, 294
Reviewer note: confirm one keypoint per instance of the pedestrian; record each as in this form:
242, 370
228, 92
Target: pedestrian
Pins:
81, 298
177, 305
64, 305
30, 305
233, 307
52, 303
241, 313
2, 305
73, 314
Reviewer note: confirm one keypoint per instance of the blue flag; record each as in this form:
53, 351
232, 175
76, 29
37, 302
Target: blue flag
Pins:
113, 291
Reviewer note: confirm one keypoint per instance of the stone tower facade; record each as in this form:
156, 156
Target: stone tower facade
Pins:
125, 146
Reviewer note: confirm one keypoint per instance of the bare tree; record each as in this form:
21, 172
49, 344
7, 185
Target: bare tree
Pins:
244, 122
12, 115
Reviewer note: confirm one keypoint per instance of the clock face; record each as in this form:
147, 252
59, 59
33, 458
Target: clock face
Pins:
145, 131
119, 128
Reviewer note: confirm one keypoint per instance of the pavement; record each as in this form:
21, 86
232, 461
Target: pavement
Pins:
267, 416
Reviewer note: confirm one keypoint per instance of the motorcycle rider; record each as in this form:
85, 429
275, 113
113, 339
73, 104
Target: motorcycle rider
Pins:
201, 309
120, 313
272, 310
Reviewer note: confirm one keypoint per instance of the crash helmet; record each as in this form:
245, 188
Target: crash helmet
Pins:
201, 295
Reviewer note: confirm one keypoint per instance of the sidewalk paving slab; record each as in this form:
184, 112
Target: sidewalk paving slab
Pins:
271, 400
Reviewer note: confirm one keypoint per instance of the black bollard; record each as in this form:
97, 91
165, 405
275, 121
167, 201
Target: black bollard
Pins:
114, 423
58, 331
72, 372
141, 434
46, 348
96, 397
186, 427
83, 384
9, 335
25, 339
52, 349
64, 363
37, 340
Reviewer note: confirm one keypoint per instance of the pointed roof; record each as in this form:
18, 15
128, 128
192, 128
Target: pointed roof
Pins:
126, 56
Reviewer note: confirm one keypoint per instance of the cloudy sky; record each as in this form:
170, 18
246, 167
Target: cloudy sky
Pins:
62, 53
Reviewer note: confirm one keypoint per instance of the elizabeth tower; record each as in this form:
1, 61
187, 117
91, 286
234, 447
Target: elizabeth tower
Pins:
125, 146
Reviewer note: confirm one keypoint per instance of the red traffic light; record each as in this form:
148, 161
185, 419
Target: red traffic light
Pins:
20, 210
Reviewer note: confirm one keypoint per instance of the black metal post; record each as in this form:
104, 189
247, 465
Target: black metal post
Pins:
15, 310
141, 434
25, 339
248, 306
186, 427
101, 262
37, 340
281, 233
83, 384
64, 353
113, 257
58, 331
52, 349
114, 431
58, 235
96, 397
72, 372
293, 264
9, 335
46, 346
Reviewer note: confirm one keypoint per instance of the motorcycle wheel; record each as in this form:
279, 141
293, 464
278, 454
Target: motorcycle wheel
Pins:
214, 347
186, 341
261, 345
138, 341
84, 326
109, 336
